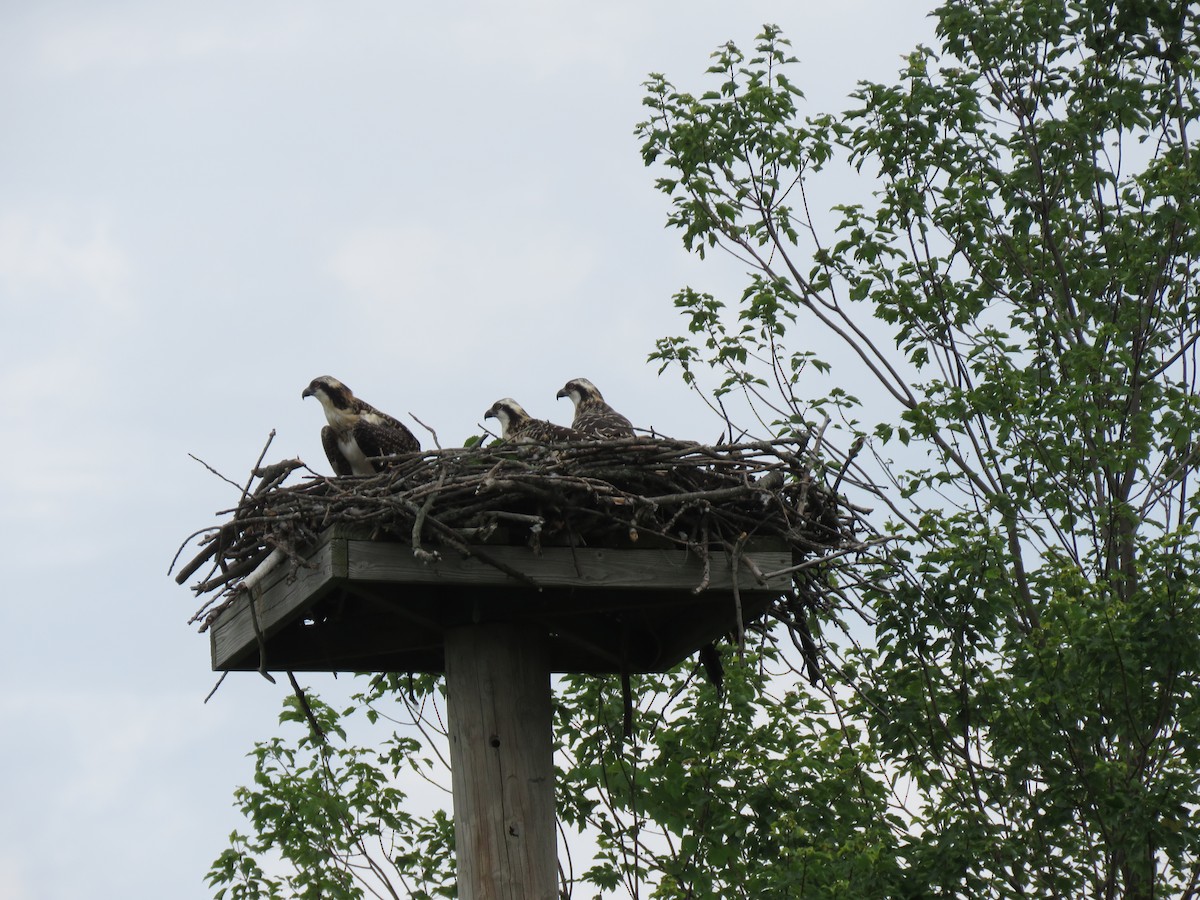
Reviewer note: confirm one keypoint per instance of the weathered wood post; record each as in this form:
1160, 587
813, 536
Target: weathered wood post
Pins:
502, 763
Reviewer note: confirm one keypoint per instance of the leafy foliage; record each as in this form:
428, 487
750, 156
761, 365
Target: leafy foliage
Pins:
1031, 253
747, 795
330, 812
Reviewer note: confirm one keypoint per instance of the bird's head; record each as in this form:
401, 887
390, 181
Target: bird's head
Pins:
580, 390
336, 399
331, 392
509, 412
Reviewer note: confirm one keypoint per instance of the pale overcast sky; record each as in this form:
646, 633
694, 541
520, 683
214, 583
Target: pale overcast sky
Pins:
205, 205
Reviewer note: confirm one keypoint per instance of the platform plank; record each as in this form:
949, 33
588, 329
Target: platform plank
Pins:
362, 605
278, 600
563, 567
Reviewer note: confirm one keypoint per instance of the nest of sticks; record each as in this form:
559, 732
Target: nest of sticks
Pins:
622, 492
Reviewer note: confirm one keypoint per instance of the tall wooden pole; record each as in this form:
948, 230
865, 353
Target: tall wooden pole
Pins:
502, 763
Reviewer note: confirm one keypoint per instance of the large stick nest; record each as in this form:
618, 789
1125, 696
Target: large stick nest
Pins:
590, 493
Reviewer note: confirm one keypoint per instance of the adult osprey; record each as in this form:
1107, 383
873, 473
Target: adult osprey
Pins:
357, 431
517, 426
594, 417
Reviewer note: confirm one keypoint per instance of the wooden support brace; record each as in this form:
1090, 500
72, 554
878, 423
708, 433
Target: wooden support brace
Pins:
502, 764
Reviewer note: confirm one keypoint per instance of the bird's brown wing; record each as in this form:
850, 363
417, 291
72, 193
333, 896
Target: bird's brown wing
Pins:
601, 420
539, 431
333, 453
393, 435
384, 440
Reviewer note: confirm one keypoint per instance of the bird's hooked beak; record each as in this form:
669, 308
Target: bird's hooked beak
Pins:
308, 392
563, 393
491, 413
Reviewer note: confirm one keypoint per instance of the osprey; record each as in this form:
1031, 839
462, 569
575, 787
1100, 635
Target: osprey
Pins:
594, 417
516, 425
357, 431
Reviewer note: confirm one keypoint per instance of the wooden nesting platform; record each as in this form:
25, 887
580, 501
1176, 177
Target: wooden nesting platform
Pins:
372, 606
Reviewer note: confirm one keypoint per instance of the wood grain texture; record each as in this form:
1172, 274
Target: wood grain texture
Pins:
277, 601
502, 765
584, 567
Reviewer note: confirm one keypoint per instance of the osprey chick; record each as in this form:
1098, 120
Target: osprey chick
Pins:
357, 431
516, 425
594, 417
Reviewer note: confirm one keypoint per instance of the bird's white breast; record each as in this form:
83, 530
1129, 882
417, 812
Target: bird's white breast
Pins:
359, 464
340, 420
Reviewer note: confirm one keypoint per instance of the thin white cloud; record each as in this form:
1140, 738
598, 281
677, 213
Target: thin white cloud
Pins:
39, 257
547, 36
414, 280
14, 877
118, 756
107, 739
136, 37
61, 461
66, 300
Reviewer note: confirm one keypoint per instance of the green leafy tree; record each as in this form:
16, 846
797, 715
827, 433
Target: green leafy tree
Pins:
328, 818
1015, 713
1030, 255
